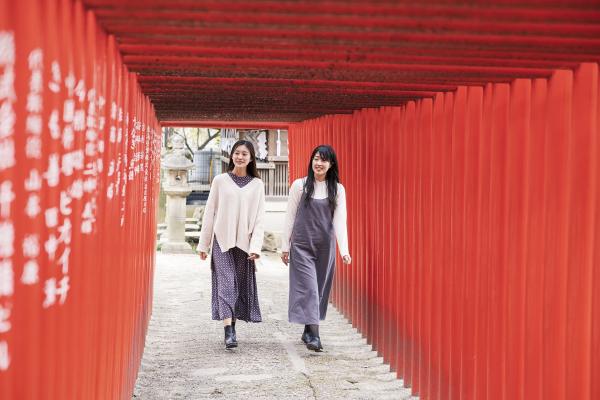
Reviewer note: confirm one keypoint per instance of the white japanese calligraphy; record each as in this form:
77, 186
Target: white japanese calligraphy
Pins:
53, 125
68, 137
65, 201
33, 124
54, 84
51, 245
52, 175
33, 209
7, 284
76, 189
64, 260
34, 181
7, 47
30, 274
7, 154
33, 147
7, 119
51, 215
65, 231
52, 291
4, 356
4, 319
72, 161
7, 196
31, 246
7, 238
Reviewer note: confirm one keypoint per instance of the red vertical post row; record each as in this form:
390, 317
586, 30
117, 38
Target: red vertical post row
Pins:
475, 266
58, 217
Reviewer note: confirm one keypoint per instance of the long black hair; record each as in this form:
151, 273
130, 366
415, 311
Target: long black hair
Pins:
326, 153
251, 167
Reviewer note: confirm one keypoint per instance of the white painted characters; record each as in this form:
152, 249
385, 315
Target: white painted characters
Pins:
7, 279
53, 291
7, 238
7, 196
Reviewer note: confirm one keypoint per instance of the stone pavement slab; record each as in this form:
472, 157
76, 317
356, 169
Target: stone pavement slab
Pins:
184, 357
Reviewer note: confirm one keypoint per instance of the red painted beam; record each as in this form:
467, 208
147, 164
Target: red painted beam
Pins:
404, 22
358, 49
304, 35
537, 60
226, 124
530, 11
163, 56
279, 82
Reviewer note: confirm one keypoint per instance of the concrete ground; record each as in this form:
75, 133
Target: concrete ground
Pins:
185, 357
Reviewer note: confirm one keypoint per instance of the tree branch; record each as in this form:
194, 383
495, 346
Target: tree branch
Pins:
184, 141
210, 137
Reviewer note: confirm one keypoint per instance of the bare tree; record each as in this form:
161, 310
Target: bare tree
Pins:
169, 132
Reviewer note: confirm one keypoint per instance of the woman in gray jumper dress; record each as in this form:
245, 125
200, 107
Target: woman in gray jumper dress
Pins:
316, 216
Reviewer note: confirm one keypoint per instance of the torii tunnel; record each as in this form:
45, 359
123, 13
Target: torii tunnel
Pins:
468, 138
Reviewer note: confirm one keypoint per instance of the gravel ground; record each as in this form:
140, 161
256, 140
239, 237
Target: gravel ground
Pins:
185, 357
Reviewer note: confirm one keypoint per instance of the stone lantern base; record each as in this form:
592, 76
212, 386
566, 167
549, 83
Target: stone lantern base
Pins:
176, 248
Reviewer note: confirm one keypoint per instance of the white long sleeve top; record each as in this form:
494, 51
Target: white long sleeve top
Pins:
339, 215
234, 215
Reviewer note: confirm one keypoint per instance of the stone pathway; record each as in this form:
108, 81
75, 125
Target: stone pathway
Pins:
185, 357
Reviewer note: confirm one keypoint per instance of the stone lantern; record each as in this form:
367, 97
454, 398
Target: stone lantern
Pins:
176, 166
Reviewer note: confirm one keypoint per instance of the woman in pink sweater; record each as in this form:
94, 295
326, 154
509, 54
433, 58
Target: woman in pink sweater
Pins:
233, 222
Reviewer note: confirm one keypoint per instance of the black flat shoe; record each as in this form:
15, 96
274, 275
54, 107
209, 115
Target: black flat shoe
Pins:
230, 339
314, 344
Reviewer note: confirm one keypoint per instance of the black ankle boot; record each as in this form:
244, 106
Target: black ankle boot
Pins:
314, 341
230, 341
306, 335
314, 344
233, 328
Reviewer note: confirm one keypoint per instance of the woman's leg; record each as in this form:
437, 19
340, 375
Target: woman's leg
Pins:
224, 290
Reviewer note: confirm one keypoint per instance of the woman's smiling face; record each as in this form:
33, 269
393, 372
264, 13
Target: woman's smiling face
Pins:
241, 156
320, 166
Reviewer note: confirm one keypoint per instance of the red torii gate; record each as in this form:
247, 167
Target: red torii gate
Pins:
468, 139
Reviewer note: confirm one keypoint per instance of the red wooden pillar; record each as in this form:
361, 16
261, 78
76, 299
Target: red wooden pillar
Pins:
557, 188
580, 268
472, 244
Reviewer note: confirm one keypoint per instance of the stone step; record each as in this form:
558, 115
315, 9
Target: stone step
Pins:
192, 227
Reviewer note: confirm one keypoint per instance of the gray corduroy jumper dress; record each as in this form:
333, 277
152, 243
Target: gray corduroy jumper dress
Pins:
312, 262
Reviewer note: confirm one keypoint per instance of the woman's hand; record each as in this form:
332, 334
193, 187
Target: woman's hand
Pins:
285, 257
347, 259
253, 256
203, 255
